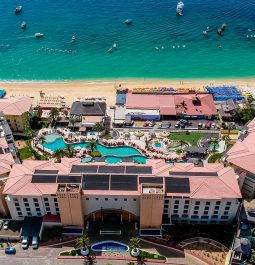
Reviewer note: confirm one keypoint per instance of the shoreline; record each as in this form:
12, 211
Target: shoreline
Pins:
71, 89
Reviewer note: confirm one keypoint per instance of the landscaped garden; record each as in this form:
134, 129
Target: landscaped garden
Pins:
191, 138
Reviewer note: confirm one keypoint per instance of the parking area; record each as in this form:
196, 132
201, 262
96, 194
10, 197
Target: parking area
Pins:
11, 231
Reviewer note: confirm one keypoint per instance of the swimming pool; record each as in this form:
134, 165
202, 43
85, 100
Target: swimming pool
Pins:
158, 145
135, 158
213, 147
110, 246
54, 142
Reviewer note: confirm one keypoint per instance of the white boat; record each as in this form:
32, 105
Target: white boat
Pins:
179, 8
18, 9
23, 25
128, 21
38, 35
73, 38
114, 45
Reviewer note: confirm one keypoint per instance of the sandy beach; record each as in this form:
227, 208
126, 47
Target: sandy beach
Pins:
107, 88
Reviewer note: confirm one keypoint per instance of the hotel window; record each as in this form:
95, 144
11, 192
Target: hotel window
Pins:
227, 208
134, 200
15, 199
25, 200
56, 204
20, 214
228, 203
47, 208
207, 203
18, 209
194, 216
224, 217
214, 216
29, 214
186, 202
205, 212
125, 199
28, 209
55, 199
186, 206
46, 199
16, 204
96, 199
166, 201
57, 209
175, 211
35, 199
176, 202
195, 212
36, 204
185, 216
217, 202
176, 206
115, 199
196, 207
215, 212
225, 213
47, 204
197, 203
38, 213
204, 217
185, 211
49, 212
26, 204
206, 208
166, 206
106, 199
38, 209
87, 199
217, 207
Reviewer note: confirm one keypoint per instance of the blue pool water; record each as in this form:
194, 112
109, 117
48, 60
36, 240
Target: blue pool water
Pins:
158, 145
110, 246
136, 158
213, 147
120, 151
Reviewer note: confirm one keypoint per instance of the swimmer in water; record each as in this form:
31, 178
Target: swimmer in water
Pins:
219, 46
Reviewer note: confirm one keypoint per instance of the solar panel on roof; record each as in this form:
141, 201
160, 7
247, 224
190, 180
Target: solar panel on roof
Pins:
157, 180
69, 179
138, 170
45, 171
123, 182
177, 185
178, 173
111, 169
44, 178
84, 169
96, 178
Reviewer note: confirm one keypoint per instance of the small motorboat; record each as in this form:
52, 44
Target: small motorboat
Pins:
38, 35
128, 21
18, 9
114, 45
73, 38
205, 33
179, 8
23, 25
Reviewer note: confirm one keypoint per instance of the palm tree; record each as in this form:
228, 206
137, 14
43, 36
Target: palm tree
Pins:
92, 145
83, 242
214, 144
53, 115
72, 121
42, 140
226, 138
98, 127
68, 151
58, 154
181, 107
134, 244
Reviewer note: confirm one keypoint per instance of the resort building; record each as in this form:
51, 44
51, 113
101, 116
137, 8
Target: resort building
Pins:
151, 195
15, 109
241, 157
168, 106
86, 114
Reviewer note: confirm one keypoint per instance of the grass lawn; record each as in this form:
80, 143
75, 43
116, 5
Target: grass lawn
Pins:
192, 138
25, 153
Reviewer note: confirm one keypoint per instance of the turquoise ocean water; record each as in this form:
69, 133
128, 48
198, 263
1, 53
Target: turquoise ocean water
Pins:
97, 24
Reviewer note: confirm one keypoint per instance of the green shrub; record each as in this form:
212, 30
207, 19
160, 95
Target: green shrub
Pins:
148, 255
96, 154
213, 158
178, 151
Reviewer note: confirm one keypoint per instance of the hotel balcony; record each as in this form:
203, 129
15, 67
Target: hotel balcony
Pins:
152, 189
68, 188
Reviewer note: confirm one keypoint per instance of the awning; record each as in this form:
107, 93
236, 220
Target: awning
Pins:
82, 129
151, 232
32, 226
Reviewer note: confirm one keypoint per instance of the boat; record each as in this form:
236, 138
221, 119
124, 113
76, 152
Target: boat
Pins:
114, 45
73, 38
205, 33
179, 8
128, 21
38, 35
18, 9
23, 25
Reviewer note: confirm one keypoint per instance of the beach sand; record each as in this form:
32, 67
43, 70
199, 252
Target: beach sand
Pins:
106, 88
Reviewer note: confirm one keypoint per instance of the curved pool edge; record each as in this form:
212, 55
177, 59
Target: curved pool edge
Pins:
109, 241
